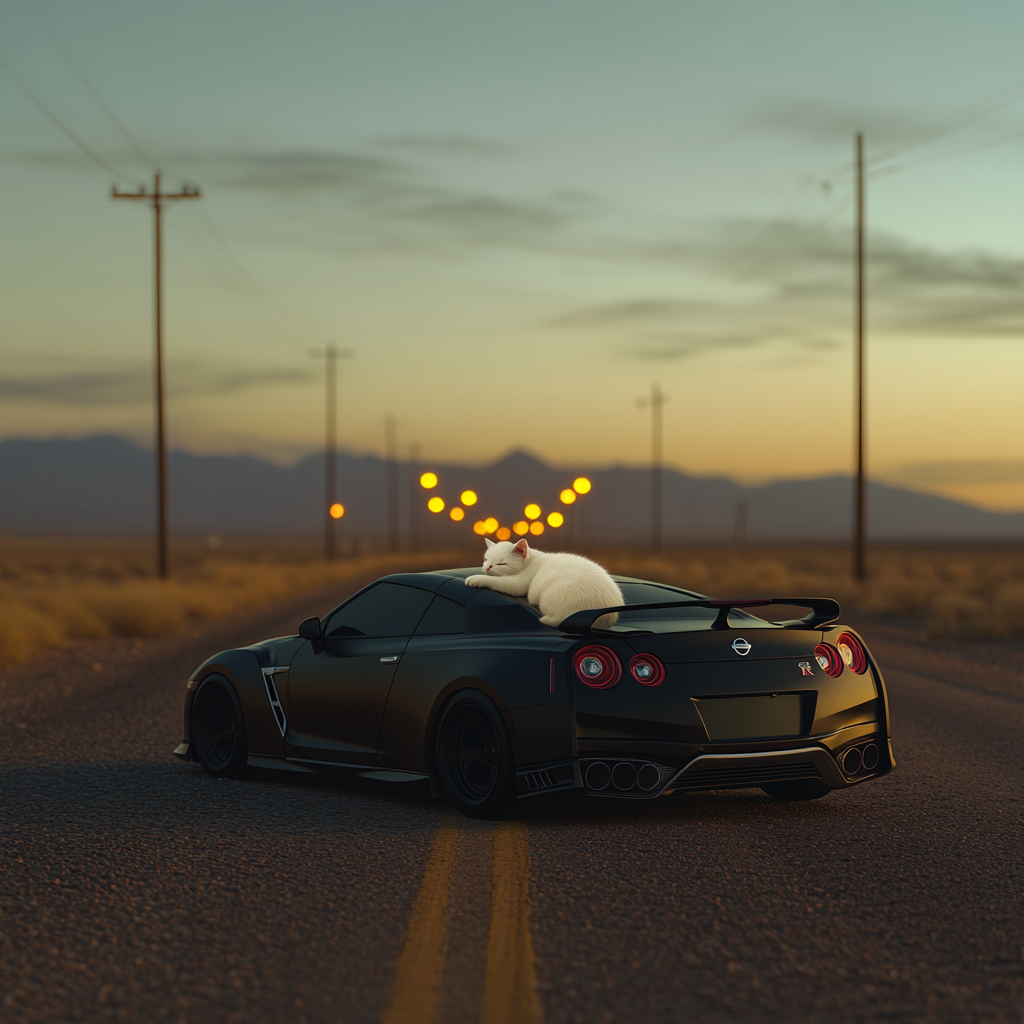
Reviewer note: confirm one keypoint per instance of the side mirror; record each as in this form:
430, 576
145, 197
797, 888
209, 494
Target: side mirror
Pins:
309, 629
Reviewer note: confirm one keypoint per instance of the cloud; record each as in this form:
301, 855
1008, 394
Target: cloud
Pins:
134, 385
790, 282
445, 145
821, 122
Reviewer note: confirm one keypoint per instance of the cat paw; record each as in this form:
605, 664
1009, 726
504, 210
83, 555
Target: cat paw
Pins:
550, 620
476, 581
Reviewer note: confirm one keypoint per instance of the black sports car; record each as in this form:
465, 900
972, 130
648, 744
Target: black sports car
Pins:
422, 682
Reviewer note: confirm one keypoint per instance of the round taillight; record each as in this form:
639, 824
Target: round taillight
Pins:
646, 669
830, 660
597, 667
852, 652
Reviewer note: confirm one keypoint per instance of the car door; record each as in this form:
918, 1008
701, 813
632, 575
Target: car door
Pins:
337, 695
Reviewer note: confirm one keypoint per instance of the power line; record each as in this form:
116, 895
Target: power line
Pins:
93, 91
63, 128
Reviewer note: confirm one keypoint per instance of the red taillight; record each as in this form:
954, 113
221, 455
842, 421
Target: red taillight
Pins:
597, 667
852, 652
647, 670
829, 658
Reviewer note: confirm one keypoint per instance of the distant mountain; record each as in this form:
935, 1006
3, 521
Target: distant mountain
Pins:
106, 484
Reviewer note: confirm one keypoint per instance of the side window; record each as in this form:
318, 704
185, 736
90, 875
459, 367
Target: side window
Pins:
388, 609
443, 616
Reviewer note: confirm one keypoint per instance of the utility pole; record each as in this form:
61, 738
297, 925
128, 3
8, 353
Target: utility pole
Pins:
415, 541
860, 495
656, 403
391, 466
158, 198
740, 533
330, 354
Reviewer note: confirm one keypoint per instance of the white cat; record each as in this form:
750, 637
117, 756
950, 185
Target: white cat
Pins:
558, 584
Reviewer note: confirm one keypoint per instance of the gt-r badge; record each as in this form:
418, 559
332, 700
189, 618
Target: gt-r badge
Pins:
741, 646
805, 668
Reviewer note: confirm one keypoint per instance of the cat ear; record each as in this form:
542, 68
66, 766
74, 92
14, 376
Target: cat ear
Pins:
490, 543
522, 548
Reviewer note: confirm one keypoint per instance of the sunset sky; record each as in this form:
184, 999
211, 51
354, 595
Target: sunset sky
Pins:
518, 217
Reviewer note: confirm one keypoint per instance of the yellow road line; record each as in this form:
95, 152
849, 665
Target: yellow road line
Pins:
510, 988
414, 992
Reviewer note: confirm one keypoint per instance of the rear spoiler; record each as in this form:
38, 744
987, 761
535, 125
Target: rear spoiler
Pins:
822, 611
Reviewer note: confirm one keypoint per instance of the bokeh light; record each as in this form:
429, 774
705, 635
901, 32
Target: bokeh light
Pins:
536, 529
490, 524
468, 497
428, 480
581, 485
503, 533
532, 511
555, 519
436, 504
521, 527
337, 510
457, 514
479, 527
568, 496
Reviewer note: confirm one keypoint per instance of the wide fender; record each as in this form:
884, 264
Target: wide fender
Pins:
242, 669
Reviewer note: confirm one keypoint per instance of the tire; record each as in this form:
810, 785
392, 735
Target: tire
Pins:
797, 789
218, 734
474, 757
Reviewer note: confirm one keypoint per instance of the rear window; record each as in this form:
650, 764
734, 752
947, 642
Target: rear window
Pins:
672, 620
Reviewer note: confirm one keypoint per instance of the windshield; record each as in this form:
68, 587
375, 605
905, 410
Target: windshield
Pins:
673, 620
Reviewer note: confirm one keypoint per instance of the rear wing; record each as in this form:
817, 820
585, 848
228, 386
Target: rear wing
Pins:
822, 611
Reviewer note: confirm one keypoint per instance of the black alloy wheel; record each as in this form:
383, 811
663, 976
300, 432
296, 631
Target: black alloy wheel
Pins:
218, 730
474, 756
797, 789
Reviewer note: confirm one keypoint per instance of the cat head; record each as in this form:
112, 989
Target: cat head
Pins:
505, 558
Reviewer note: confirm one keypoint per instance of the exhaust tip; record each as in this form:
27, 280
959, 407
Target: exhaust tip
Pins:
869, 757
624, 775
598, 776
851, 761
648, 778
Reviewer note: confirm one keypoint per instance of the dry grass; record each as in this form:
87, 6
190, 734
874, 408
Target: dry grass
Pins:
956, 591
54, 591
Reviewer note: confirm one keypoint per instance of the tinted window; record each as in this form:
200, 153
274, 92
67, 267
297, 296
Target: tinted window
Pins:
388, 609
443, 616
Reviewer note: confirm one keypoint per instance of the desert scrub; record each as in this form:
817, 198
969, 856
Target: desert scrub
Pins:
956, 591
72, 598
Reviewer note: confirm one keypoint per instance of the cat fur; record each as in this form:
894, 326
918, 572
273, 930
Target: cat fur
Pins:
557, 583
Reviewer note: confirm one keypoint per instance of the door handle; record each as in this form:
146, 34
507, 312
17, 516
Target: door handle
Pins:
388, 658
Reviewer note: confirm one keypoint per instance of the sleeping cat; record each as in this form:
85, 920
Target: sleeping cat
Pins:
557, 584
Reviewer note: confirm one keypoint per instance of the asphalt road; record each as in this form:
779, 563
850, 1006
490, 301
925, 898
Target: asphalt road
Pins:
135, 888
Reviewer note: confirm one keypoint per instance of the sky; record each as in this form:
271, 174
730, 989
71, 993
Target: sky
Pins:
518, 217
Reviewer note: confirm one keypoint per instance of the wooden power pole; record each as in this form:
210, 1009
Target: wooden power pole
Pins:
157, 199
860, 494
391, 469
656, 403
330, 354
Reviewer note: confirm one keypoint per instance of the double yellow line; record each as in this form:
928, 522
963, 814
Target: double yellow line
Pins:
510, 985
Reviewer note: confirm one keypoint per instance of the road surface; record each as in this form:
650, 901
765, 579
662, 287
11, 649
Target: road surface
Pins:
136, 888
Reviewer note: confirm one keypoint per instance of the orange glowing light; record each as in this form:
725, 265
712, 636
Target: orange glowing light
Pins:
503, 533
521, 527
428, 480
468, 497
479, 527
532, 511
581, 485
337, 510
490, 524
457, 514
568, 496
536, 529
436, 504
555, 519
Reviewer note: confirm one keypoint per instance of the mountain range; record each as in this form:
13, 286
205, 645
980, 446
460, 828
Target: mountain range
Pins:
106, 484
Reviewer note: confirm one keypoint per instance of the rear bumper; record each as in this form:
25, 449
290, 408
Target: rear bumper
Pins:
735, 771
